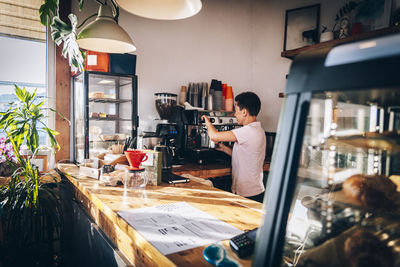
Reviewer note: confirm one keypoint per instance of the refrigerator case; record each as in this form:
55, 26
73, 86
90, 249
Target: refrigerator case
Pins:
104, 112
333, 190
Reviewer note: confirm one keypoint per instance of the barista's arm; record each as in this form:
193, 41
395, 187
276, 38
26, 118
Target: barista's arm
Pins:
225, 149
224, 136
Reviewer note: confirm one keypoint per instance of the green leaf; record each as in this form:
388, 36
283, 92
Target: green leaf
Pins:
81, 4
4, 119
48, 9
53, 140
64, 33
41, 103
61, 115
18, 93
35, 140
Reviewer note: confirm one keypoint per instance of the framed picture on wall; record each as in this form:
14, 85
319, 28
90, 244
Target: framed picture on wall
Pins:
374, 14
301, 27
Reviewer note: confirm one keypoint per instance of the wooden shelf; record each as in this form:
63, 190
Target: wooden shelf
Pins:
108, 119
292, 53
109, 100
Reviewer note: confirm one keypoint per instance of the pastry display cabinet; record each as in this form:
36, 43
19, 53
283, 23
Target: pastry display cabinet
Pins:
333, 191
104, 112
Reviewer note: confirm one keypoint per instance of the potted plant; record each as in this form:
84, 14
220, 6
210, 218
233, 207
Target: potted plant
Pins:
30, 209
342, 19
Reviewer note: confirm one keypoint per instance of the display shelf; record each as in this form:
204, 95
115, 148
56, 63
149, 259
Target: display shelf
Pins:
389, 141
117, 95
107, 141
294, 52
340, 198
109, 100
109, 119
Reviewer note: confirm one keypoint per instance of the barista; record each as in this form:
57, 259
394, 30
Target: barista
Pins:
248, 151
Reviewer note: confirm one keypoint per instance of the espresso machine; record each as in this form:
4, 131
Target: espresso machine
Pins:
193, 142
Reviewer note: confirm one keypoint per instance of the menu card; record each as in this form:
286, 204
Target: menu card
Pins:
178, 226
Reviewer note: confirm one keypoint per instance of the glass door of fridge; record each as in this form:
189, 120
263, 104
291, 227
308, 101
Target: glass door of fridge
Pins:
79, 119
110, 106
104, 113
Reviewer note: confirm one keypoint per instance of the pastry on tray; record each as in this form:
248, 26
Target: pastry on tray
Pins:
373, 191
96, 95
94, 114
355, 247
363, 249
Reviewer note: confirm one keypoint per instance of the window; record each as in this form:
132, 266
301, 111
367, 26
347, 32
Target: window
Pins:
23, 63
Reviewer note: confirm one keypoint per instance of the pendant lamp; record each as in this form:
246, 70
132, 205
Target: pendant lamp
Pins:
105, 35
161, 9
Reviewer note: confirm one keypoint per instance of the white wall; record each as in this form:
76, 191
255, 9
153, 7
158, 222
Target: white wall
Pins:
269, 68
236, 41
216, 43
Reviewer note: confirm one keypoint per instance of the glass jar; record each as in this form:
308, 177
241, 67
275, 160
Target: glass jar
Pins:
135, 179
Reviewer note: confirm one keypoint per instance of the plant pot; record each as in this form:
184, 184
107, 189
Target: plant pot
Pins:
5, 169
326, 36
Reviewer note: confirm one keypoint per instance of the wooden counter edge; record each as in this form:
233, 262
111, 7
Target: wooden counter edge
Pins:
209, 172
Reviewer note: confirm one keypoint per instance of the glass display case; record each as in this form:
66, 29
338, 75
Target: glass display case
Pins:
333, 191
104, 113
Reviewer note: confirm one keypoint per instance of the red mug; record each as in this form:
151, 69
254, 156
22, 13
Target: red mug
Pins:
135, 157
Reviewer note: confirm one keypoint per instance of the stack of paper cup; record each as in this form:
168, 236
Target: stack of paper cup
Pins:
229, 99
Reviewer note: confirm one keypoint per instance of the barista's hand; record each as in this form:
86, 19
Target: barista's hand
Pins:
206, 119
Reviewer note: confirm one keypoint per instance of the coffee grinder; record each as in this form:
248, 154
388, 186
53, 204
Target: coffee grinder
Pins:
167, 131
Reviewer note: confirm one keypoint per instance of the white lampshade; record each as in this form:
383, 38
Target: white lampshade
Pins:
105, 35
161, 9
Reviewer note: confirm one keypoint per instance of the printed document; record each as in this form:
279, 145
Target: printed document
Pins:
178, 226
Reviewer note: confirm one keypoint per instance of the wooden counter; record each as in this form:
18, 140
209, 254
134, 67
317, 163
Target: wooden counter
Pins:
206, 171
103, 203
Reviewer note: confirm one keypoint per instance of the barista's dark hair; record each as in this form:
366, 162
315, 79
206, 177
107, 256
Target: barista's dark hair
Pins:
249, 101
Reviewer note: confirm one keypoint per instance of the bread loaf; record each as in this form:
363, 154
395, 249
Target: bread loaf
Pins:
352, 186
363, 249
371, 191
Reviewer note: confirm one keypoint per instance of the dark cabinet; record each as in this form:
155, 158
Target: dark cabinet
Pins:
84, 243
91, 247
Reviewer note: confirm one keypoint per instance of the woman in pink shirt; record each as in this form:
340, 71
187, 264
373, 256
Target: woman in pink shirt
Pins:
248, 152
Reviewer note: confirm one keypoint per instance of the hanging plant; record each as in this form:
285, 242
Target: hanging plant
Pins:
66, 34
